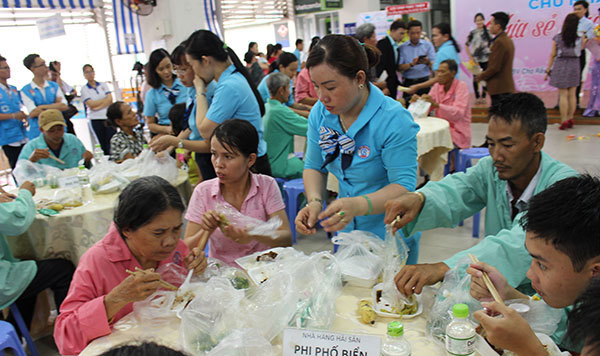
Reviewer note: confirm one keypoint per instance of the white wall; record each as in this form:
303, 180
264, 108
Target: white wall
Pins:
352, 8
172, 21
238, 38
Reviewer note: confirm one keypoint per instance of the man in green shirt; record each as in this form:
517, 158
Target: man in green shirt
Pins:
281, 124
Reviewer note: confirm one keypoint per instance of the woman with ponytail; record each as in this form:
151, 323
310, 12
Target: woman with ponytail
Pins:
287, 63
235, 96
364, 138
446, 48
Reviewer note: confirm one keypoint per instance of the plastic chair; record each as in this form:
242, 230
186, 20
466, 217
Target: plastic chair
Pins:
292, 189
10, 339
299, 154
23, 328
452, 154
464, 161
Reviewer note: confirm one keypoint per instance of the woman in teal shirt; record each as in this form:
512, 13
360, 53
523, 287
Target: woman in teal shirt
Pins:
367, 140
167, 90
236, 96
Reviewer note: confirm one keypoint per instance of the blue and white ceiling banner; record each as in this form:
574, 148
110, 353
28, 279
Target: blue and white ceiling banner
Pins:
127, 29
52, 4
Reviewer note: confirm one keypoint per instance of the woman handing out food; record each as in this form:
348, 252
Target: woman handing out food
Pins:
145, 234
367, 140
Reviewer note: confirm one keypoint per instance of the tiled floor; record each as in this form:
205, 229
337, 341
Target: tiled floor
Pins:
582, 154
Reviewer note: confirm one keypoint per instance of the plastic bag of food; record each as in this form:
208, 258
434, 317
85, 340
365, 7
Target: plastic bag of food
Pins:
394, 259
25, 170
243, 342
159, 164
319, 281
203, 322
360, 257
419, 109
155, 311
105, 179
456, 288
541, 317
252, 225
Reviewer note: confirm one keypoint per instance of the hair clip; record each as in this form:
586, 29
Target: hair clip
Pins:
224, 45
361, 43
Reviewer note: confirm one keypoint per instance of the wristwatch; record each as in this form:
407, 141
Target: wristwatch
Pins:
180, 145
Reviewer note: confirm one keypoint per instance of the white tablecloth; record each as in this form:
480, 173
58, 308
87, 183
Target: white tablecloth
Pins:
433, 144
72, 232
127, 329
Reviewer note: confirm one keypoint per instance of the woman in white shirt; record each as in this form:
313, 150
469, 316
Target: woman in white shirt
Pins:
97, 97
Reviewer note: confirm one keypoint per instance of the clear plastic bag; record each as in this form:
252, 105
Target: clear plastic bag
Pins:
541, 317
456, 288
25, 170
360, 257
419, 109
203, 322
159, 164
394, 259
105, 179
243, 342
253, 226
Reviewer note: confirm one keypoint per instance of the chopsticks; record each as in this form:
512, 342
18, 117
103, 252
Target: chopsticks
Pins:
56, 159
165, 284
488, 282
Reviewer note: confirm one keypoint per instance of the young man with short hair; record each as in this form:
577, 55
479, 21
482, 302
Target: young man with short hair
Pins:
298, 53
40, 94
562, 226
503, 183
415, 59
390, 55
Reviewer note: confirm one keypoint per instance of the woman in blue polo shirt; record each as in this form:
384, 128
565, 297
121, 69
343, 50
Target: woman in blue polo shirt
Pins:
12, 119
286, 63
236, 96
366, 139
166, 91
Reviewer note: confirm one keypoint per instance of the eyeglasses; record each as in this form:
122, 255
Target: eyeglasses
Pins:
40, 65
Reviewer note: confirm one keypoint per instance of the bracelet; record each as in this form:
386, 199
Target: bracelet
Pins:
421, 197
370, 211
315, 200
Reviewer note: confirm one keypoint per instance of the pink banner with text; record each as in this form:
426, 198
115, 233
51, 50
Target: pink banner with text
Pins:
532, 25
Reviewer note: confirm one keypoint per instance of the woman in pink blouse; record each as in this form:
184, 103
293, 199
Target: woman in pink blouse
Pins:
304, 90
449, 99
145, 234
234, 145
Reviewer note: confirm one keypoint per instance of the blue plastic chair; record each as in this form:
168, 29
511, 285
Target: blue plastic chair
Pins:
10, 339
23, 328
292, 189
464, 161
451, 154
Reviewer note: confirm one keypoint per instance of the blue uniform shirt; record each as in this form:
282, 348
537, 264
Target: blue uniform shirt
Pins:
234, 99
11, 130
298, 55
71, 151
264, 90
157, 101
49, 97
446, 51
386, 152
190, 109
408, 52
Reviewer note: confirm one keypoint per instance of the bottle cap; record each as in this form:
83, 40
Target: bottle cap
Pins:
395, 328
97, 145
145, 145
460, 310
81, 166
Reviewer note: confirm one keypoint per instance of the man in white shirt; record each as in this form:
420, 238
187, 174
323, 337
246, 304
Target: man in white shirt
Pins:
40, 94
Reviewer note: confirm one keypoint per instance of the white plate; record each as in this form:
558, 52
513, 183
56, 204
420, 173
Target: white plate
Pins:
392, 315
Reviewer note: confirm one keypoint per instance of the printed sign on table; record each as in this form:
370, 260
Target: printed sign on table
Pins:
320, 343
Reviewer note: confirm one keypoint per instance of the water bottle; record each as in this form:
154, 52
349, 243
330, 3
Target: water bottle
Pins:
395, 344
98, 154
460, 333
86, 187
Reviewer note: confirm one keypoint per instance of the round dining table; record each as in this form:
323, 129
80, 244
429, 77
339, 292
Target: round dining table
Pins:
73, 231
